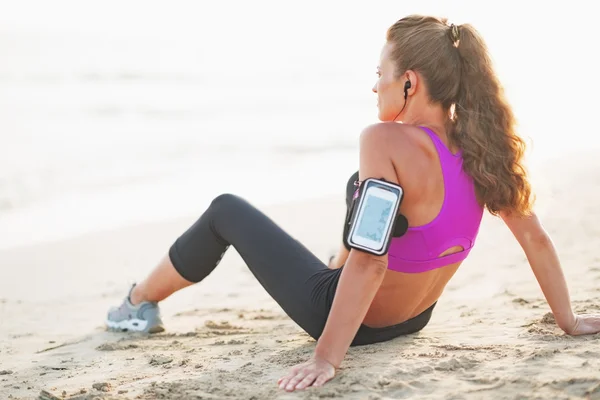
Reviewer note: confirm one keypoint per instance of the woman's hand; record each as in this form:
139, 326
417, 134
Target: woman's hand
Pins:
315, 372
332, 262
338, 259
585, 324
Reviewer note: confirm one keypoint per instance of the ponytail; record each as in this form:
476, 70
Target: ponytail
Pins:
484, 130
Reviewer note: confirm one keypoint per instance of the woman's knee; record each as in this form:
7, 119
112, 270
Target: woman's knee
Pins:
225, 198
226, 201
227, 208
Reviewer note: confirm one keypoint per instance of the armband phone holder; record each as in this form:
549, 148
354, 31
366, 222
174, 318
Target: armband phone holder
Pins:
372, 218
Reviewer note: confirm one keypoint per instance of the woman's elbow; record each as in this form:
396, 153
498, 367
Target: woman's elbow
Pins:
539, 240
369, 263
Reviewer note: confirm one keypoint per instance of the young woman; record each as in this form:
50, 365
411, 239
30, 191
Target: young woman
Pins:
455, 154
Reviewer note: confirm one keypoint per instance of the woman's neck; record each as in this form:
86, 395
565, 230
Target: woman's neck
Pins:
430, 116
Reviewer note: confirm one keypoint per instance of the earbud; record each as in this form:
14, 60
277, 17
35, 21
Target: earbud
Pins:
407, 86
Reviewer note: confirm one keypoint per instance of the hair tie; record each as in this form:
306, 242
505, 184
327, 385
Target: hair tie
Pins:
455, 34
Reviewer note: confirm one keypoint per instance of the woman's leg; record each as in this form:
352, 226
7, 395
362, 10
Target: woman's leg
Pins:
296, 279
293, 276
162, 282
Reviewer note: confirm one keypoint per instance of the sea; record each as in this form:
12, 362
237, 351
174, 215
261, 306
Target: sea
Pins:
117, 113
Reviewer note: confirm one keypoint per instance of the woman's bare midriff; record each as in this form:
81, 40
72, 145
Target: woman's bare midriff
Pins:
403, 296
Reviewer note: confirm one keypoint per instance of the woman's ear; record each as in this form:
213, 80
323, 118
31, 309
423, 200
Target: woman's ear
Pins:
413, 78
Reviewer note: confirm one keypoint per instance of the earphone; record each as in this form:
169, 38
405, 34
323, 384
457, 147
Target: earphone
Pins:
407, 85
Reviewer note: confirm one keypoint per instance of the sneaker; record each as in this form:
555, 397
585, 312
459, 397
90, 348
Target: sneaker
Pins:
143, 317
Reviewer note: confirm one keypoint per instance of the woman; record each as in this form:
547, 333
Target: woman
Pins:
455, 154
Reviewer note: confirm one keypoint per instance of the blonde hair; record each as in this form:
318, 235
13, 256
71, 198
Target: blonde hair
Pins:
457, 69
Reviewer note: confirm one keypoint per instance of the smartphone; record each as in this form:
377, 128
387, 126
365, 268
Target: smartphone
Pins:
371, 229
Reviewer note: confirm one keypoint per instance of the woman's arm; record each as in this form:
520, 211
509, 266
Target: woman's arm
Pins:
363, 272
544, 262
360, 279
359, 282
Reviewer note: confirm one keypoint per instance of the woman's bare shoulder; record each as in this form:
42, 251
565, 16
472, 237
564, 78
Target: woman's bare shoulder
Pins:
408, 146
406, 138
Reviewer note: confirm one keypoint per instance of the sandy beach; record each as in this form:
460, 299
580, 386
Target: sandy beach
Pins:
120, 121
491, 336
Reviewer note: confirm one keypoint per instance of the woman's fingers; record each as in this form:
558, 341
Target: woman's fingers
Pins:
321, 380
282, 382
312, 373
291, 385
307, 381
587, 324
593, 322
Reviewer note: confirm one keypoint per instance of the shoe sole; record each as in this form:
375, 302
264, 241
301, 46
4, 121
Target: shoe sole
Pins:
133, 325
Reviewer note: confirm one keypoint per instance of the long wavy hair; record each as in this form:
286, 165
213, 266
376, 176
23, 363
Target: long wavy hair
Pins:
458, 71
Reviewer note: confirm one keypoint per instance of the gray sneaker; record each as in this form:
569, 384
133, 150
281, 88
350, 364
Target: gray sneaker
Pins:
144, 317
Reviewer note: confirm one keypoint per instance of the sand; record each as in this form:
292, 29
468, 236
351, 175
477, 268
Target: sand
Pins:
491, 335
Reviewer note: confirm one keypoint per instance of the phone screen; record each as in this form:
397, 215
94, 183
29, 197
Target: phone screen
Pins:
375, 217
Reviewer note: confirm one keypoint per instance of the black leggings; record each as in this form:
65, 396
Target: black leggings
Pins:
294, 277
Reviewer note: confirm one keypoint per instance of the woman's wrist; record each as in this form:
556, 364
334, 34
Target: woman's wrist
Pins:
567, 322
326, 353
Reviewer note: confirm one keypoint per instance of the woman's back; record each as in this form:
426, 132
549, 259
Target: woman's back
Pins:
415, 278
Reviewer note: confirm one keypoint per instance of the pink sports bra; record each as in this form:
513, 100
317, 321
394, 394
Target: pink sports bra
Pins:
457, 223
